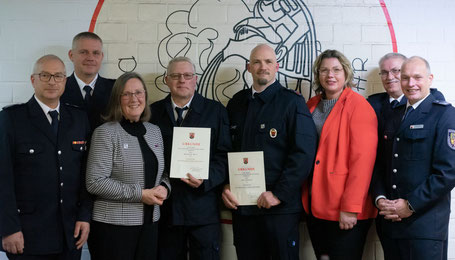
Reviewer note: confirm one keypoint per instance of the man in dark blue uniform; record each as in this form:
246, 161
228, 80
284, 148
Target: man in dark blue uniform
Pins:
393, 97
274, 120
85, 87
387, 103
45, 208
190, 217
415, 171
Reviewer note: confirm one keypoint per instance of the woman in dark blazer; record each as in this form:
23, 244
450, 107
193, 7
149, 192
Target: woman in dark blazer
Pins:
125, 174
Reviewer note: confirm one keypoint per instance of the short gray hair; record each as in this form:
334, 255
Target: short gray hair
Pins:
427, 65
392, 55
44, 59
180, 59
85, 35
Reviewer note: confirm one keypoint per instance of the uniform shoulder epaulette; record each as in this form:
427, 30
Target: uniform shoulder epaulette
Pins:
72, 105
441, 102
293, 91
12, 106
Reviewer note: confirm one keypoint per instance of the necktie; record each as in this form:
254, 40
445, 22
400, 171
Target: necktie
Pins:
88, 95
394, 103
54, 123
180, 115
409, 109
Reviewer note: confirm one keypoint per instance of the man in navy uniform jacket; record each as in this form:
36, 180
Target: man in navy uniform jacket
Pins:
393, 97
45, 208
387, 103
190, 217
275, 120
85, 87
415, 171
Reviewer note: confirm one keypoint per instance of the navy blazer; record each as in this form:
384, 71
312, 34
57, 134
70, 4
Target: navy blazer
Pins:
281, 125
100, 98
186, 205
417, 163
42, 182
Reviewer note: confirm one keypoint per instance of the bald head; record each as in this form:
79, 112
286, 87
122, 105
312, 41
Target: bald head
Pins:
44, 59
262, 66
418, 58
416, 79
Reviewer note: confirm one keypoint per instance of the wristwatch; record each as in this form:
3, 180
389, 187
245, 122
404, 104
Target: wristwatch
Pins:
410, 207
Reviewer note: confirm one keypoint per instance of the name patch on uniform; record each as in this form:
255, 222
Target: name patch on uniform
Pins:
451, 139
416, 126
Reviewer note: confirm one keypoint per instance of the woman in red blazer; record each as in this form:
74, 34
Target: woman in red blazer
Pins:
336, 197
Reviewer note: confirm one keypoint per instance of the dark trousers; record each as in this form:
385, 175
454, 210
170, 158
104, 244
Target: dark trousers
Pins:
66, 254
113, 242
266, 236
201, 242
328, 239
414, 249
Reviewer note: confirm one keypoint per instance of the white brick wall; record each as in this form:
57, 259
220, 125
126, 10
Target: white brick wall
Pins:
135, 28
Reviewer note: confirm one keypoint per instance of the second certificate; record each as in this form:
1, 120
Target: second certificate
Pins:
246, 176
190, 152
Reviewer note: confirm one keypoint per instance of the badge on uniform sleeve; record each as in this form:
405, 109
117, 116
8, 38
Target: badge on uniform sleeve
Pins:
273, 132
451, 139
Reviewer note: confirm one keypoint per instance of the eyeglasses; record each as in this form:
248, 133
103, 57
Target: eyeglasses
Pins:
177, 76
326, 72
46, 77
129, 95
385, 73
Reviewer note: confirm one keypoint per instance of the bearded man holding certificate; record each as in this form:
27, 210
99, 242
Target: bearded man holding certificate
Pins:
275, 120
190, 217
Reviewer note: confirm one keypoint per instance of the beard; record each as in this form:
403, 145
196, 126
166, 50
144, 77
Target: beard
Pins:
262, 81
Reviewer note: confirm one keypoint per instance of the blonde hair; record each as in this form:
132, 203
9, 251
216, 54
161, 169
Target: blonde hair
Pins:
348, 73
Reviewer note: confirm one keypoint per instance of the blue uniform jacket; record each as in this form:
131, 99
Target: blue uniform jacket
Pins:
282, 127
417, 163
100, 98
42, 182
186, 205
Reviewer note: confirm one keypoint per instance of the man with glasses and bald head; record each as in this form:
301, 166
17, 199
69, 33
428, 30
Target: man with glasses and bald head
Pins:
190, 217
45, 208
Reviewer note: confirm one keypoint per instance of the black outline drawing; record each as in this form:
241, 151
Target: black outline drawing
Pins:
286, 25
123, 59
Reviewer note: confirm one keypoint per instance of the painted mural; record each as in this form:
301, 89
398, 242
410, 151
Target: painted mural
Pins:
220, 45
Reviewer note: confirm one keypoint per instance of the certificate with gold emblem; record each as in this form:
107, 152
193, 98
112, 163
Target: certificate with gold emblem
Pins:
190, 152
246, 176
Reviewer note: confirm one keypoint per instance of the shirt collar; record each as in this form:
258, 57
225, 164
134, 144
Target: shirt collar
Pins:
187, 104
416, 104
82, 84
45, 108
397, 99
